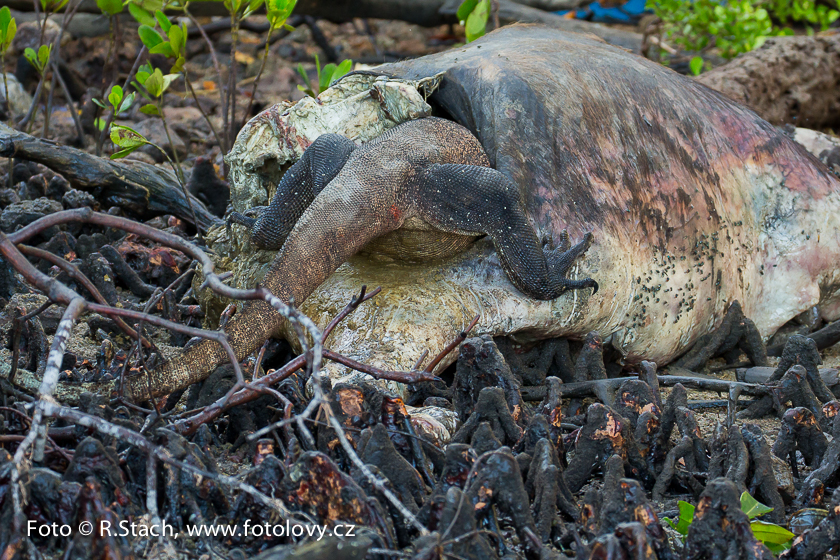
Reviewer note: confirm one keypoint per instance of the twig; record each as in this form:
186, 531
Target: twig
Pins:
37, 431
452, 345
224, 143
78, 276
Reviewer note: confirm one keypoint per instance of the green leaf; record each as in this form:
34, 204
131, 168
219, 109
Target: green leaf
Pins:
167, 81
752, 507
30, 55
150, 37
305, 87
341, 70
164, 22
465, 9
100, 103
777, 548
770, 532
110, 7
179, 64
44, 55
122, 153
150, 109
9, 35
696, 65
8, 28
126, 137
5, 18
278, 11
154, 83
685, 518
325, 77
476, 24
177, 38
142, 16
100, 123
116, 96
127, 102
164, 48
252, 7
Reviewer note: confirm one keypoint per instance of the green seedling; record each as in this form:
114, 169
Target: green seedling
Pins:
327, 75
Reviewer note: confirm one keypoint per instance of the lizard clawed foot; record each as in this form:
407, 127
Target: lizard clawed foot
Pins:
241, 219
248, 219
561, 259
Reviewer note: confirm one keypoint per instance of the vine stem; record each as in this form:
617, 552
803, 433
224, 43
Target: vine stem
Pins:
222, 91
231, 93
259, 76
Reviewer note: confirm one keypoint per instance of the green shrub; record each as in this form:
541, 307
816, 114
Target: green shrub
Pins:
735, 26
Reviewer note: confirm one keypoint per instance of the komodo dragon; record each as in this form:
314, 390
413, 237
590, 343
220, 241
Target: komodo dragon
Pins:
339, 197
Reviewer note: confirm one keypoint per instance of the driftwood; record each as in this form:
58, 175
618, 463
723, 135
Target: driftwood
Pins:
830, 376
428, 13
592, 388
787, 80
827, 336
135, 186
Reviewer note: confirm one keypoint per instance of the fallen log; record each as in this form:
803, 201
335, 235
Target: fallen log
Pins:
132, 185
787, 80
762, 374
827, 336
589, 388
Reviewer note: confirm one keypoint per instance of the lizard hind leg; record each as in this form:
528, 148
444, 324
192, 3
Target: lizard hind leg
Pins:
475, 200
299, 186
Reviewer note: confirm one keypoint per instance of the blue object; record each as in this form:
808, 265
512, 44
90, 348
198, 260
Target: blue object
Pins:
630, 12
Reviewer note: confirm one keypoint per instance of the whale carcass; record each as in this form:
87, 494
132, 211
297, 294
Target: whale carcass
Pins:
693, 200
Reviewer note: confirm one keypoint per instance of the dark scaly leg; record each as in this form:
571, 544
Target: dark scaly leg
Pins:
321, 162
477, 200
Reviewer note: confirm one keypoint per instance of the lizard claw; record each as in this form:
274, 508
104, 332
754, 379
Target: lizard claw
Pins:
561, 259
241, 219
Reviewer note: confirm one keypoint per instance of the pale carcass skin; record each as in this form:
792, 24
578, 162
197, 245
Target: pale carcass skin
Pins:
693, 201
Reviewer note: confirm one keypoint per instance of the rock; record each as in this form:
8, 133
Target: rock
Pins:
28, 36
78, 199
36, 187
25, 212
186, 119
87, 244
57, 186
825, 147
784, 477
786, 80
7, 197
88, 25
154, 131
19, 98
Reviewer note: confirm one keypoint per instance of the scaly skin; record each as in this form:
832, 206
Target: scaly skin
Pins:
338, 198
